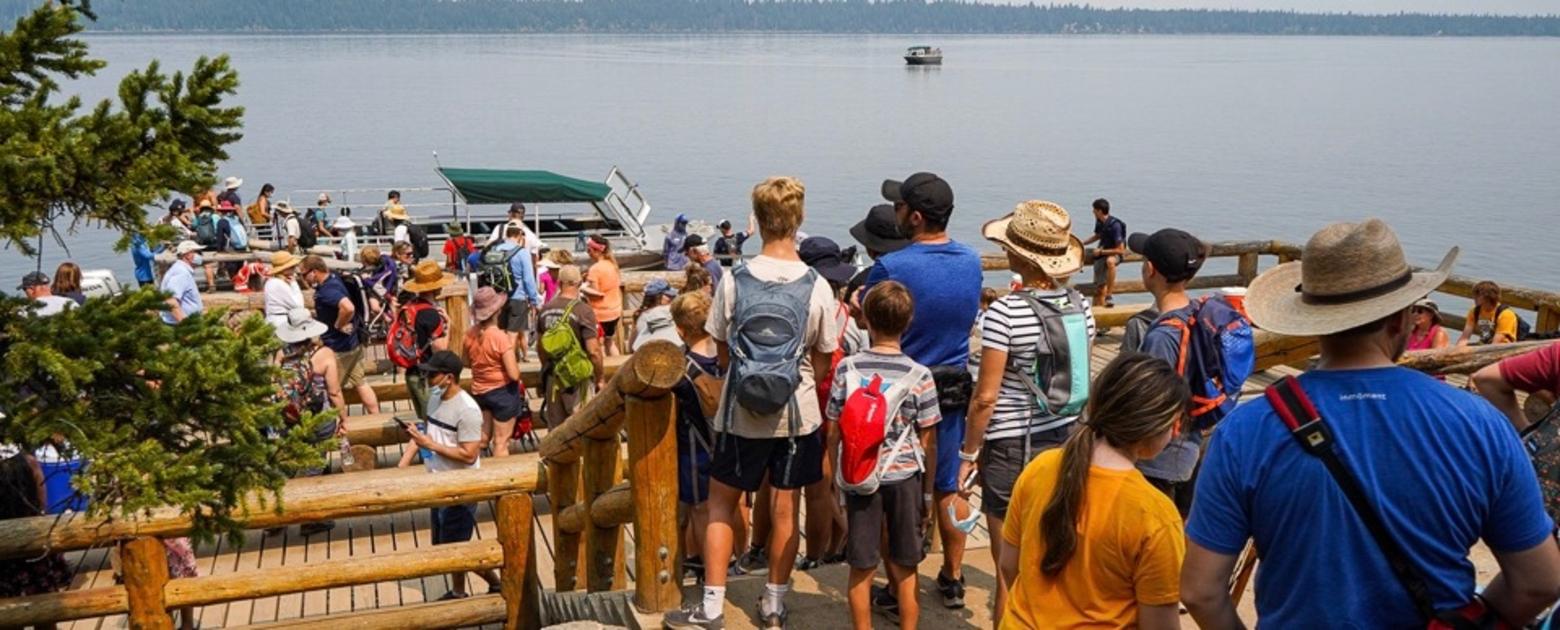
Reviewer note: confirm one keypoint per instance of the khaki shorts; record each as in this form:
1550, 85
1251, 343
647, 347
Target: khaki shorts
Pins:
349, 365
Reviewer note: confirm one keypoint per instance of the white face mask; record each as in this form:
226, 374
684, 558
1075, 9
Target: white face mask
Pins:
197, 260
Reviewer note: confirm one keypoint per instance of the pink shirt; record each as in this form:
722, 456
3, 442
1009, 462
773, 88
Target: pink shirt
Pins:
549, 285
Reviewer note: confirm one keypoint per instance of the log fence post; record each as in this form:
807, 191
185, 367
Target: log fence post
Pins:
1548, 318
602, 469
1246, 267
563, 491
652, 456
518, 579
145, 565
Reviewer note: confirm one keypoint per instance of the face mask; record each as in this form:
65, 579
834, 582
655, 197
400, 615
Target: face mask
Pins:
198, 261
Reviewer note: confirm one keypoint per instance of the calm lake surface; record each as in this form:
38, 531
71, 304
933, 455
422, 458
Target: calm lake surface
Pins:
1453, 141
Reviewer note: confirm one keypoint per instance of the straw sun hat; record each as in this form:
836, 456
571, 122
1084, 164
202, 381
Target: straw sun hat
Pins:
427, 276
1349, 275
1041, 233
397, 212
283, 260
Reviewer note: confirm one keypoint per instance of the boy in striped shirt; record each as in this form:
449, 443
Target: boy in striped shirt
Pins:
899, 500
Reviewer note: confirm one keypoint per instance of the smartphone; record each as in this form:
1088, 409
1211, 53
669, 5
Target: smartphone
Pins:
406, 425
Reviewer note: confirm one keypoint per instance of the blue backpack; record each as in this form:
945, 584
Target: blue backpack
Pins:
238, 239
768, 342
1217, 355
1061, 382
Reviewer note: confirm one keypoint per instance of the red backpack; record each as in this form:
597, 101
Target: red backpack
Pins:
401, 341
864, 423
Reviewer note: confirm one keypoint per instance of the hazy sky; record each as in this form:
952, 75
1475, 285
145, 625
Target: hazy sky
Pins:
1522, 7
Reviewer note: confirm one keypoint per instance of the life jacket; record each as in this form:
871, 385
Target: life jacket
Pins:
870, 408
1216, 355
401, 342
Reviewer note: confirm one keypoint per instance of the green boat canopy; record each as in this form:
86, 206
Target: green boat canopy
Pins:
492, 186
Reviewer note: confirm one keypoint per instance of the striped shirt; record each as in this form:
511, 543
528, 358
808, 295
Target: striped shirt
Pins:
1011, 326
919, 409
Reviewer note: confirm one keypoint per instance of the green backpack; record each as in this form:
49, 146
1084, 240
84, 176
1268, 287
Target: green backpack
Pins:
570, 365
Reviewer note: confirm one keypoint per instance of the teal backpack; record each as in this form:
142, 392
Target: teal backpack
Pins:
1061, 382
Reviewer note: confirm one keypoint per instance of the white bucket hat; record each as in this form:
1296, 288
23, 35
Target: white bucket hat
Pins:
297, 326
232, 182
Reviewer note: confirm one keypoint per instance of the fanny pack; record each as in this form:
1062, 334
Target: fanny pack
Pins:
954, 386
1315, 438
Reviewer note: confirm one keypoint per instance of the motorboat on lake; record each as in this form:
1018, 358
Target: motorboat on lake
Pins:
923, 56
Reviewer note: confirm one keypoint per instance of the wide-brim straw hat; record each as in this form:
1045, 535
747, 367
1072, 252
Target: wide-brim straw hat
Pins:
397, 213
283, 260
1349, 275
298, 326
427, 276
1041, 233
284, 207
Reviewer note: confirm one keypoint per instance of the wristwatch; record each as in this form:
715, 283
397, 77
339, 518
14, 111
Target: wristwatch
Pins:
969, 457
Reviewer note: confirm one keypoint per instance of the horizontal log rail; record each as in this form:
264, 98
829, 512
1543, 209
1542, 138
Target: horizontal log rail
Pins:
473, 611
305, 500
387, 389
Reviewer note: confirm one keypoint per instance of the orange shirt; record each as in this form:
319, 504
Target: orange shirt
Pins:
1129, 553
485, 354
605, 278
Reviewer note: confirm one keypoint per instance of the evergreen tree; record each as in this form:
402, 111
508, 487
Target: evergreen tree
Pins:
162, 415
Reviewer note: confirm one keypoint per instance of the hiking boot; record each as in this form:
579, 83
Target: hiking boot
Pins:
754, 562
691, 617
952, 591
772, 620
884, 601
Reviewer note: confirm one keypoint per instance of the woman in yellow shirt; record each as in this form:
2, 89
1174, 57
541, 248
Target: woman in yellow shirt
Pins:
1090, 543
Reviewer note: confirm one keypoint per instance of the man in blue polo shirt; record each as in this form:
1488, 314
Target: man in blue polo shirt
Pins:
1439, 466
179, 283
944, 278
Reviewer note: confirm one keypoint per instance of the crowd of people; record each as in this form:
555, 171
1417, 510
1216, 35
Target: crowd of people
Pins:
878, 400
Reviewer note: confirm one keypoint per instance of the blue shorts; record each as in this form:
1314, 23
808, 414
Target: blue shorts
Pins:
454, 523
950, 440
693, 477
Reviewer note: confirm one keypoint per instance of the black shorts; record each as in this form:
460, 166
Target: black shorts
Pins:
517, 316
505, 403
1002, 460
901, 505
790, 462
609, 328
454, 524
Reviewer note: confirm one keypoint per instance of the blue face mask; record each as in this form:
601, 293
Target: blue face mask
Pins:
198, 261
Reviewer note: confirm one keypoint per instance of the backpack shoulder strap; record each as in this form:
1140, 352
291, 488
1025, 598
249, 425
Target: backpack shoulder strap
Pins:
1311, 432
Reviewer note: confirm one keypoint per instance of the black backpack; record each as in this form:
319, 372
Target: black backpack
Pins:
493, 268
307, 231
419, 240
1524, 329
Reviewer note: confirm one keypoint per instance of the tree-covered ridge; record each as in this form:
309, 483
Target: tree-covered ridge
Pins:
685, 16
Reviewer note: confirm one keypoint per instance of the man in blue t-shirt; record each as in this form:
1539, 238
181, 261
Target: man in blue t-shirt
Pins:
337, 305
1441, 468
524, 300
944, 278
1111, 233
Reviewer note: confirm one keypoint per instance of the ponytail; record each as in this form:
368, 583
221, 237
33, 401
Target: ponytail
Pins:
1135, 398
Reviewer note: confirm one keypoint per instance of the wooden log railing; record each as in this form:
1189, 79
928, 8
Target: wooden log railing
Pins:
148, 593
585, 468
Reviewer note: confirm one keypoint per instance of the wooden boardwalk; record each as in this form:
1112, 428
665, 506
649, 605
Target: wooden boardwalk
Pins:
818, 602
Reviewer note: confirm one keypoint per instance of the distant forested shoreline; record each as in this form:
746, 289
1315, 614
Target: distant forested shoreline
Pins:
712, 16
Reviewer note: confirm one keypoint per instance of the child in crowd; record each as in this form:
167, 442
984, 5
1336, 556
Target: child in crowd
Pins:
454, 439
698, 396
1090, 543
897, 505
763, 430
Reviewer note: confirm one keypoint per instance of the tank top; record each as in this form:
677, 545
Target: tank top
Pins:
1423, 343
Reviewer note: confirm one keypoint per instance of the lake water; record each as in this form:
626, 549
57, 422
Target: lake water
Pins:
1453, 141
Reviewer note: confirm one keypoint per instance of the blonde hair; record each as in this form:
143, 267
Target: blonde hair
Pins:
778, 206
369, 256
689, 312
402, 247
563, 257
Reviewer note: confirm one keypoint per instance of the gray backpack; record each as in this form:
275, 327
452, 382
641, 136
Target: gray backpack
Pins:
1061, 382
767, 339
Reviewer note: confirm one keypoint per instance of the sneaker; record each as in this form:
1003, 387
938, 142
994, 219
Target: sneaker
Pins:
772, 620
834, 559
754, 562
691, 617
952, 591
885, 602
805, 563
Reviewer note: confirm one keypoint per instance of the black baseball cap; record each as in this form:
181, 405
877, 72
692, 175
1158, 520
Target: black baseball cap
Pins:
34, 279
925, 193
824, 256
177, 205
879, 231
693, 240
725, 224
1175, 254
517, 208
443, 362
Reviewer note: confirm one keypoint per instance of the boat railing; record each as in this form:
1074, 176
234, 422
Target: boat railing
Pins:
148, 594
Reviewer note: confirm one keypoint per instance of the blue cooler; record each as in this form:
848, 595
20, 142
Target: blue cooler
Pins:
57, 475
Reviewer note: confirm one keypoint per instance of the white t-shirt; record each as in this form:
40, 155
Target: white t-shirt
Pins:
53, 305
821, 336
294, 230
451, 422
533, 243
402, 235
281, 297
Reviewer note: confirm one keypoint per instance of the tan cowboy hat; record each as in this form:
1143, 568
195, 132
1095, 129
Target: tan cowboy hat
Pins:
1040, 232
283, 260
1349, 275
397, 212
427, 276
